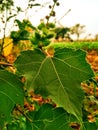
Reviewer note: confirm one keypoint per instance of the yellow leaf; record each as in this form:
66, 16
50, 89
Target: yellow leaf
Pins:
7, 47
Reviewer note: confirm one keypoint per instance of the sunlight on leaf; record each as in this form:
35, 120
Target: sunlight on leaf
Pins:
7, 47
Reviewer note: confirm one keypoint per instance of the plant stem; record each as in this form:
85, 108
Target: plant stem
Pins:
53, 6
22, 112
5, 21
5, 64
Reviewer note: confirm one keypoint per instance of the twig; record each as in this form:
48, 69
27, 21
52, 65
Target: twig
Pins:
5, 64
4, 31
18, 108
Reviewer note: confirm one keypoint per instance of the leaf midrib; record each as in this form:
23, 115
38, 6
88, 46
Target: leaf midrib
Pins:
58, 77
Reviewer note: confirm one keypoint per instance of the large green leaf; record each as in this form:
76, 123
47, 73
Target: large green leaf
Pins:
57, 77
49, 118
11, 93
90, 126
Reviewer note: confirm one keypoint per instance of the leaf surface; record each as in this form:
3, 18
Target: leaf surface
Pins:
49, 118
11, 93
90, 126
57, 77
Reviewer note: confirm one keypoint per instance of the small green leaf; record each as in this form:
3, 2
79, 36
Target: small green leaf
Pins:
49, 118
41, 26
36, 4
19, 23
11, 93
50, 35
61, 120
37, 35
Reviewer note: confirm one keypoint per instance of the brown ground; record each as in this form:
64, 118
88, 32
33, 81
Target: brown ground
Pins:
92, 57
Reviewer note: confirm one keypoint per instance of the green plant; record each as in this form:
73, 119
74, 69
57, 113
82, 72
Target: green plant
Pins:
41, 89
51, 76
38, 36
7, 13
